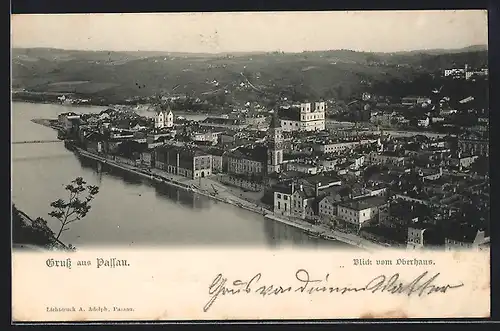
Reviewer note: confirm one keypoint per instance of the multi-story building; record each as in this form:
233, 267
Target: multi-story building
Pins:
247, 160
147, 158
293, 200
306, 117
415, 239
224, 123
465, 72
478, 73
217, 159
465, 237
381, 118
386, 158
310, 169
340, 146
206, 137
356, 162
463, 161
327, 207
67, 120
358, 212
327, 163
454, 72
473, 144
423, 122
185, 161
297, 197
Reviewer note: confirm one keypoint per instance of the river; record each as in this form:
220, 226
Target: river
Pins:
128, 210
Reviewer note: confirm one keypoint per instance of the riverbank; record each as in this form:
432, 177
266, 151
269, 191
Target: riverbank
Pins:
222, 194
215, 190
136, 107
56, 102
52, 243
177, 181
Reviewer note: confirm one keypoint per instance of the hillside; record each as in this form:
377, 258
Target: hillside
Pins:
239, 77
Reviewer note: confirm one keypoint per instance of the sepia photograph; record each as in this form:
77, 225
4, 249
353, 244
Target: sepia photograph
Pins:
351, 132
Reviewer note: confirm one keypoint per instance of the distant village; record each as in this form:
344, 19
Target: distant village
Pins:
379, 179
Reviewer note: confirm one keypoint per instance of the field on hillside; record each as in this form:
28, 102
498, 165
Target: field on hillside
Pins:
122, 75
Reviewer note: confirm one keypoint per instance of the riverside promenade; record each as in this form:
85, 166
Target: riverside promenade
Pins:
213, 189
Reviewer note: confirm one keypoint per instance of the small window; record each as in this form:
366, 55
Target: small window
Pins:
285, 197
279, 196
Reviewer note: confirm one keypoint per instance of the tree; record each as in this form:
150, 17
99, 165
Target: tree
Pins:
30, 232
481, 165
371, 171
77, 206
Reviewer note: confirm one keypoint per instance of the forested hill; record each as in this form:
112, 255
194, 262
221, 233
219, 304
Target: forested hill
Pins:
238, 77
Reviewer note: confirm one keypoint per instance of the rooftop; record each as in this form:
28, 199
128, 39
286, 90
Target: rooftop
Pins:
186, 151
222, 121
364, 203
255, 153
462, 233
322, 180
275, 122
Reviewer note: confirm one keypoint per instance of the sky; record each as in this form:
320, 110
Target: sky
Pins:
377, 31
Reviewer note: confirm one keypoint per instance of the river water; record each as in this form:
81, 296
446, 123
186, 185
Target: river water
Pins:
128, 210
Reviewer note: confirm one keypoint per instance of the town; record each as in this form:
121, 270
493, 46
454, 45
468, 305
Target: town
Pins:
406, 172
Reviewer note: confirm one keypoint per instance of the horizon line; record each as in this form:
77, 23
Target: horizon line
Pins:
261, 52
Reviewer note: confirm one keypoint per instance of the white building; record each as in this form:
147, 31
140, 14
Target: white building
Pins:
447, 112
357, 162
340, 146
423, 122
212, 137
164, 119
302, 167
307, 117
356, 213
293, 200
454, 72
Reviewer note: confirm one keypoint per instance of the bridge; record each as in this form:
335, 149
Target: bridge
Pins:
37, 141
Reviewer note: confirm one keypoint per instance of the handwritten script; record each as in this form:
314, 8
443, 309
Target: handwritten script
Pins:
423, 285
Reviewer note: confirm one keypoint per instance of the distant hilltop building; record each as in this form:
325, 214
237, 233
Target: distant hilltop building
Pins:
465, 72
306, 117
415, 101
164, 119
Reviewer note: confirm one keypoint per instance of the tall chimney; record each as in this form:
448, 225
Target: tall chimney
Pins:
293, 187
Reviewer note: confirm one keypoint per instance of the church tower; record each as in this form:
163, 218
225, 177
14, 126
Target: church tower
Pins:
275, 145
169, 118
160, 119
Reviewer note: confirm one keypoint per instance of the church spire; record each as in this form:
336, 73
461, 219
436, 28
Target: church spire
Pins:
275, 122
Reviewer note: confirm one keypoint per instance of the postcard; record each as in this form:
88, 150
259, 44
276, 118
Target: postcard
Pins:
250, 166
